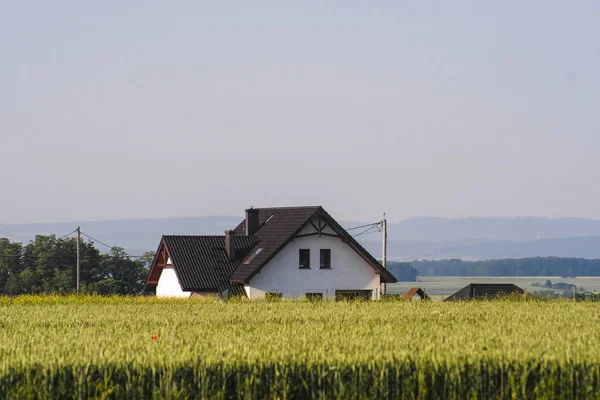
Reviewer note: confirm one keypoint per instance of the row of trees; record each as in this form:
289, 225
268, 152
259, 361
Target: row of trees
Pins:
402, 271
48, 265
538, 266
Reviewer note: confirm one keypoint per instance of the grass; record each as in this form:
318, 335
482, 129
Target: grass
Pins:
83, 347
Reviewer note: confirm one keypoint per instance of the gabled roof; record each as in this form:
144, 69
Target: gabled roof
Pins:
279, 226
484, 290
272, 236
416, 291
201, 262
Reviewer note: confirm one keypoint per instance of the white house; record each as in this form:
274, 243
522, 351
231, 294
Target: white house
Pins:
282, 252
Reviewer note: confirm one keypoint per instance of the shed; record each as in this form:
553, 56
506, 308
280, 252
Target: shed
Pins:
416, 291
484, 290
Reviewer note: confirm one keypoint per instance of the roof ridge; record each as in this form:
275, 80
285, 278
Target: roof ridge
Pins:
287, 208
207, 236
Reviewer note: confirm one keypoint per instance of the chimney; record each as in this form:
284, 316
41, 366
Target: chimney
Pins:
230, 244
251, 221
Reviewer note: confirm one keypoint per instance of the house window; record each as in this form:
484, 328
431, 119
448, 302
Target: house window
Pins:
273, 296
325, 258
314, 296
304, 258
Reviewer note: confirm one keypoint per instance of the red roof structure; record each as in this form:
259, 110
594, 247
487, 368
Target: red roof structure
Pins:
416, 291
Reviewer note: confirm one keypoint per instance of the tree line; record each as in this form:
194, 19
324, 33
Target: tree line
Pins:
48, 265
402, 271
535, 266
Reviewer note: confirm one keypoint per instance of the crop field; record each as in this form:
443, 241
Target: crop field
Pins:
92, 347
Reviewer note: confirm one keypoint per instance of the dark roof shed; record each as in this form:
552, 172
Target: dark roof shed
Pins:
484, 290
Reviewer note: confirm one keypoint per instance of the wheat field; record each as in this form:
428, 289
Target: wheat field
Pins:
94, 347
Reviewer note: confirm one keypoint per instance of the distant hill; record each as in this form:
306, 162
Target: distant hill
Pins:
581, 247
489, 238
430, 229
411, 239
135, 235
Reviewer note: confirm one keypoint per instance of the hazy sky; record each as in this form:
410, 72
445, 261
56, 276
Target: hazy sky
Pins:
129, 109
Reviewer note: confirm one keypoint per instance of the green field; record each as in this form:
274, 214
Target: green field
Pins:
440, 287
86, 347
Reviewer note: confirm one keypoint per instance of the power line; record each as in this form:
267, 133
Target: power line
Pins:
363, 226
68, 234
366, 233
109, 246
368, 230
53, 258
66, 258
97, 241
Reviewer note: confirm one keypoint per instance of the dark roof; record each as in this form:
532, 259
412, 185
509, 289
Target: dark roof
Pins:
201, 262
284, 223
484, 290
272, 236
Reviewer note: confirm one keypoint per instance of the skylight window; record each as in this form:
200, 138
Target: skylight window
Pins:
257, 252
270, 218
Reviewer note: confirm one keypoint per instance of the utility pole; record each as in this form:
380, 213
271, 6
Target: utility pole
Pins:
78, 259
384, 249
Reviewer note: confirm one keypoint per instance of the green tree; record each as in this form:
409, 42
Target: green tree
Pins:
147, 258
11, 263
128, 275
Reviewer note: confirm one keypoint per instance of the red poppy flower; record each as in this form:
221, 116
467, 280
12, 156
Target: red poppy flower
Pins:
154, 337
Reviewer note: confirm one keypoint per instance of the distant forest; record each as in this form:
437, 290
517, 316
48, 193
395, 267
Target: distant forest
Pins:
48, 265
402, 271
538, 266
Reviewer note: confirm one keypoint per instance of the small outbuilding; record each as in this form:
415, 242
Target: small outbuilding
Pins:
418, 292
485, 291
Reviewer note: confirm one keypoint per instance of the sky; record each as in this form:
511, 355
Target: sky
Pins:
139, 109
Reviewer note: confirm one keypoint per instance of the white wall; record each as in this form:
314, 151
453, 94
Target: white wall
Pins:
348, 270
168, 284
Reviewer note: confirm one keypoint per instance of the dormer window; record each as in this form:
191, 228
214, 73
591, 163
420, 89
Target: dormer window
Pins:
257, 252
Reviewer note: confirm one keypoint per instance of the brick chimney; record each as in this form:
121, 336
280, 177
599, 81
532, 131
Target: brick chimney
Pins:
251, 221
230, 244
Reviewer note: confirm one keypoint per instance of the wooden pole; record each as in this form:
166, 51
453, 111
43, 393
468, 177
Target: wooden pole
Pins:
78, 261
384, 249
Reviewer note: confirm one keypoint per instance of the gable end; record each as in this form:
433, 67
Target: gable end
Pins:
245, 273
